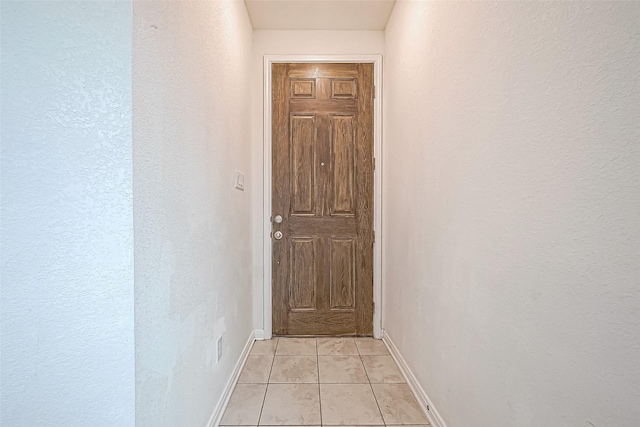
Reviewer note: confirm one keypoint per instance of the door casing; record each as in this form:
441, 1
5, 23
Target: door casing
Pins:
376, 60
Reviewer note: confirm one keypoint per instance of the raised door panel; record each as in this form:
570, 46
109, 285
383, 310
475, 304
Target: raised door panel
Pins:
303, 144
302, 276
343, 145
343, 88
303, 88
342, 274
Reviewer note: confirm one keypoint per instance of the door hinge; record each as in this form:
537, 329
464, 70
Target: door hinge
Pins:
374, 91
374, 163
374, 236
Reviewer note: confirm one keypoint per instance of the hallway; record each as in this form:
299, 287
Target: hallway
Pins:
136, 206
323, 381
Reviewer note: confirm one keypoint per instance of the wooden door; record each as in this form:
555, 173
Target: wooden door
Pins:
322, 188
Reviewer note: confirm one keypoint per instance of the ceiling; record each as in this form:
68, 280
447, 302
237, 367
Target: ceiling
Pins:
319, 14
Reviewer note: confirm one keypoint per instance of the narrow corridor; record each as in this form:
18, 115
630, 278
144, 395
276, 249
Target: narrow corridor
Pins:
322, 381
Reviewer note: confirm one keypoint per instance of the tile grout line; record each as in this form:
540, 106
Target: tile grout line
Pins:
364, 367
384, 422
264, 399
378, 404
319, 393
297, 383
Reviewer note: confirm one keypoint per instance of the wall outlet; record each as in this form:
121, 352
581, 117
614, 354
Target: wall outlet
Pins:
219, 350
239, 180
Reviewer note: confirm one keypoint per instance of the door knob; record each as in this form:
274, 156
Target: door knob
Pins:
277, 235
278, 219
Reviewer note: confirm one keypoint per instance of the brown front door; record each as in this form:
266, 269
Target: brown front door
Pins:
323, 191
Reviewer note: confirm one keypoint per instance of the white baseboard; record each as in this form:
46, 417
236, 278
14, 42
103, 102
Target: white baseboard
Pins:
218, 412
421, 396
258, 334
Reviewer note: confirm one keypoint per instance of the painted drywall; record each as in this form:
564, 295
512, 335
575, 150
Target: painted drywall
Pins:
319, 14
67, 353
191, 128
511, 200
273, 42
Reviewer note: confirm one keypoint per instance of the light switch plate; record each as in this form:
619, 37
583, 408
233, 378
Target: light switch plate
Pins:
239, 180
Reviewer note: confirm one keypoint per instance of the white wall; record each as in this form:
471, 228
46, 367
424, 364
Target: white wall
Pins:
511, 200
191, 98
287, 43
66, 208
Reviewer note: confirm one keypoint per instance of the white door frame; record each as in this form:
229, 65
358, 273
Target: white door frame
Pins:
376, 60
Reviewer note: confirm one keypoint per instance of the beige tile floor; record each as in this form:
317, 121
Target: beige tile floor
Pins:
322, 382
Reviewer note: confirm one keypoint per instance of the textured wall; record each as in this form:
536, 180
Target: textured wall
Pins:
511, 201
288, 43
67, 230
191, 127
